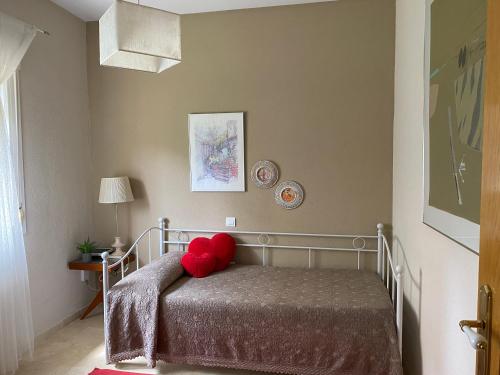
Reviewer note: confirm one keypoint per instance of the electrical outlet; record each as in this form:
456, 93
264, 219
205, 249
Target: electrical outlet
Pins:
84, 276
230, 221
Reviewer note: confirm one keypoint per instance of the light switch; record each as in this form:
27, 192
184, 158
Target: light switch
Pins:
230, 221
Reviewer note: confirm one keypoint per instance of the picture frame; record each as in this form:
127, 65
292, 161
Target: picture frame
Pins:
217, 152
265, 174
452, 147
289, 194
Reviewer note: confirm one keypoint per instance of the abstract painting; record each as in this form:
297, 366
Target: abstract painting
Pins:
217, 154
455, 67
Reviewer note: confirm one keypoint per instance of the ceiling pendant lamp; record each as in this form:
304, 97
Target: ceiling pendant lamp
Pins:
133, 36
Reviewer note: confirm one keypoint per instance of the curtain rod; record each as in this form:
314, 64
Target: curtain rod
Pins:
41, 31
38, 30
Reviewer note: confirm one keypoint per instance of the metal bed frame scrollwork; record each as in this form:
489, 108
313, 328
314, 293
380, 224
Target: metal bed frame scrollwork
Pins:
390, 274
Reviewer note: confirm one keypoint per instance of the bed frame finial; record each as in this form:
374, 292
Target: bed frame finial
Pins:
399, 305
105, 288
161, 225
380, 248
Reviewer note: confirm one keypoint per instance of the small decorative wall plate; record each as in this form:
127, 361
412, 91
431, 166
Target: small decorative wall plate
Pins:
265, 174
289, 194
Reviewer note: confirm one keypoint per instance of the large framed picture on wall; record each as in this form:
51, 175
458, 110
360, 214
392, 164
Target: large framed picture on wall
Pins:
455, 46
217, 151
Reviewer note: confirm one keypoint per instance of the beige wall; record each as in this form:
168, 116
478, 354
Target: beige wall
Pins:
441, 276
55, 122
316, 84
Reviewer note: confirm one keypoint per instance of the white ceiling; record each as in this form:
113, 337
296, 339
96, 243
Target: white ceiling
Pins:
92, 10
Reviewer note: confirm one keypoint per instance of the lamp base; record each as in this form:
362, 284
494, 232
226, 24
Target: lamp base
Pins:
118, 245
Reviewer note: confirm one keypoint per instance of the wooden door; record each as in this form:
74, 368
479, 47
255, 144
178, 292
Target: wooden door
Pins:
489, 258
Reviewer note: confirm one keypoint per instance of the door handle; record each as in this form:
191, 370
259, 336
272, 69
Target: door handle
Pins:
477, 341
480, 339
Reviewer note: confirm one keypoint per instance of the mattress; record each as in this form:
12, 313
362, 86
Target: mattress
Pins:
282, 320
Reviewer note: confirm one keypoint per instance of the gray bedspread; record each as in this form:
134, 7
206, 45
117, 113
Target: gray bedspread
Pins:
134, 303
283, 320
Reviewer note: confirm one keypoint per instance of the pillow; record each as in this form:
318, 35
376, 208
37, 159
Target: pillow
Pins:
200, 265
205, 255
223, 246
199, 246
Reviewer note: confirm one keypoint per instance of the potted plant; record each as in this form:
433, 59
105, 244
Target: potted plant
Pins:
86, 248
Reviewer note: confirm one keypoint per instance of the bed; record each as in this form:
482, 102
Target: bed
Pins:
283, 320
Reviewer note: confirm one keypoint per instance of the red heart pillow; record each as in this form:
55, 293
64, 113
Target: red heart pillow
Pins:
207, 255
223, 246
199, 245
198, 265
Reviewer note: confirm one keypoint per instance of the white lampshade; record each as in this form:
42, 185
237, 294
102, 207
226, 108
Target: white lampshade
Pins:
137, 37
115, 190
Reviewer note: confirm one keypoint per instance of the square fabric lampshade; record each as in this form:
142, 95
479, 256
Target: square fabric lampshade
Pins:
115, 190
137, 37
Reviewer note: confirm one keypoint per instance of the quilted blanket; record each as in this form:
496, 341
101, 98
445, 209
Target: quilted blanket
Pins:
132, 324
282, 320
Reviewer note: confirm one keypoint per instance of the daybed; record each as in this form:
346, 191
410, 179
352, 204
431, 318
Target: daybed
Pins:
283, 320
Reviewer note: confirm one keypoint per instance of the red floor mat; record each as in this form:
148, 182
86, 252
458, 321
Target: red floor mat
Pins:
98, 371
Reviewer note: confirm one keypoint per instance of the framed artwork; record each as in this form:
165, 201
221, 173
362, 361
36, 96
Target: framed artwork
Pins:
289, 195
265, 174
216, 151
454, 95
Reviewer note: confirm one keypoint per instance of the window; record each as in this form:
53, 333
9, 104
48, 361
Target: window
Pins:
9, 98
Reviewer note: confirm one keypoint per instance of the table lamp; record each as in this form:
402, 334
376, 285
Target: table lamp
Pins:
116, 190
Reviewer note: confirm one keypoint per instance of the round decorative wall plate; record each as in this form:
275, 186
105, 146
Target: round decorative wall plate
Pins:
289, 194
265, 174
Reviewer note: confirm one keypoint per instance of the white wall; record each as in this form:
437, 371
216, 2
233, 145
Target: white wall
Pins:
56, 136
441, 276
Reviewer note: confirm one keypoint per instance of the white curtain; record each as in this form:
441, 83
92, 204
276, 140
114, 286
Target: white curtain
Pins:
16, 327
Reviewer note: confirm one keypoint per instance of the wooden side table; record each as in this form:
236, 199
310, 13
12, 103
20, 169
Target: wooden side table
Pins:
96, 266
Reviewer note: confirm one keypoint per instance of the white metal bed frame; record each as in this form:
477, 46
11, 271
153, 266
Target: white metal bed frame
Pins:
391, 275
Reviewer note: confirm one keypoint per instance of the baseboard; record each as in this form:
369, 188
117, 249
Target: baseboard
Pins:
43, 335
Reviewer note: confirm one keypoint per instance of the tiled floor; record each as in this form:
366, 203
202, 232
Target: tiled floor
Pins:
78, 348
